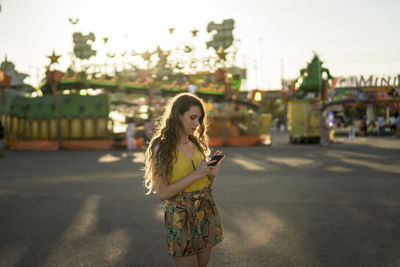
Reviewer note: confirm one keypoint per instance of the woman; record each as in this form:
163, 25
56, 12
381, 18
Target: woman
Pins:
177, 169
130, 134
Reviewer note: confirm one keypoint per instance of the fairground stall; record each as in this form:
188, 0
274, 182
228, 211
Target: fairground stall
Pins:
320, 105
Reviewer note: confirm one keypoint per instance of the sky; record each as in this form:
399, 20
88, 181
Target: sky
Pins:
274, 39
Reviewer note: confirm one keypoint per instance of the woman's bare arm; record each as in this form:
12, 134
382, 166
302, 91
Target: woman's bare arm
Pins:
166, 191
211, 179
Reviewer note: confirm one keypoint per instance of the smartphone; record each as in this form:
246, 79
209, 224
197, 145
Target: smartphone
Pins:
217, 158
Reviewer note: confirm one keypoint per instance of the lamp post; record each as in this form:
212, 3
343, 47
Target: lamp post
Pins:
53, 78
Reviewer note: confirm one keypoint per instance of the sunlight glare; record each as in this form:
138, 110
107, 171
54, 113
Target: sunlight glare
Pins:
85, 221
338, 169
248, 165
107, 158
81, 226
159, 213
292, 162
138, 157
368, 164
251, 230
117, 243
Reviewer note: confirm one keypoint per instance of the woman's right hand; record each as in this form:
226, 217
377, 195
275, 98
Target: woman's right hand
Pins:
202, 169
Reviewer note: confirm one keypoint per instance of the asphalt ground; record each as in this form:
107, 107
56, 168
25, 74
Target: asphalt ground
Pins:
284, 205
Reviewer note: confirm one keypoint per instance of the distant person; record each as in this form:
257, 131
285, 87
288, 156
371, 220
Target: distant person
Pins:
364, 119
381, 125
277, 123
393, 124
177, 168
362, 127
192, 88
397, 134
149, 127
372, 129
283, 124
1, 139
130, 134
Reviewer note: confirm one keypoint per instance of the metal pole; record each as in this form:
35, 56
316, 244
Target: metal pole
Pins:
319, 78
261, 63
54, 90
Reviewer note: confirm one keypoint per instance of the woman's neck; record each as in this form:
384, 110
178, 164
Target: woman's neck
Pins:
184, 140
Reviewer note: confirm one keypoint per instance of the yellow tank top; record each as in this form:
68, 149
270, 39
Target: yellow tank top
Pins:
182, 167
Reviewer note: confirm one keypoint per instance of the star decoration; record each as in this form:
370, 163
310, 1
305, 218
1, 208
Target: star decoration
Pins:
146, 55
105, 39
171, 30
53, 58
194, 32
222, 54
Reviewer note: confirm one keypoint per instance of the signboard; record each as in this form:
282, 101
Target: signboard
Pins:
376, 94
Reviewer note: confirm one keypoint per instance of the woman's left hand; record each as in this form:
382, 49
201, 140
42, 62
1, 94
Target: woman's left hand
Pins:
213, 170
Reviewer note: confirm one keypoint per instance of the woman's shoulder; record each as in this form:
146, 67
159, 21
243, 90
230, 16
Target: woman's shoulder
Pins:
155, 148
154, 145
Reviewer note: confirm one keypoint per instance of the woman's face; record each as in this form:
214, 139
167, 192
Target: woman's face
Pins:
190, 120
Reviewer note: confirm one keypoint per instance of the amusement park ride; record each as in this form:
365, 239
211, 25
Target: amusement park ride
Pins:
304, 102
68, 117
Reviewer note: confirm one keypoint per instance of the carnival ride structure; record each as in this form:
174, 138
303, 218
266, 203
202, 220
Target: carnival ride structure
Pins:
68, 117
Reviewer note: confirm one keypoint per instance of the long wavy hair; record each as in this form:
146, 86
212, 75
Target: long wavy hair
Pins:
167, 136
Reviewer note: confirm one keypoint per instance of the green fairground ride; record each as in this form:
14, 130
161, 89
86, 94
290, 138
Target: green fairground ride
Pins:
305, 102
313, 79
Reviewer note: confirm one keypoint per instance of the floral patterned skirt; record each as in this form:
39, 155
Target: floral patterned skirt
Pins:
192, 223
